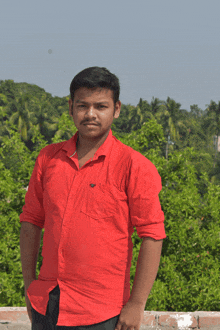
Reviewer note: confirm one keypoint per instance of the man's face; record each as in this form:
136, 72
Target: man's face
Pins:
96, 106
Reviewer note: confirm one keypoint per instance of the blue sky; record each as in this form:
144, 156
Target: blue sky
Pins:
157, 48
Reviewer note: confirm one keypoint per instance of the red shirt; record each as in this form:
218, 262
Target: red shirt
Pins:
88, 215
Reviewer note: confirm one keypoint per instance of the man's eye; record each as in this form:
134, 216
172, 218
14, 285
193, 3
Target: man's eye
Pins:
102, 106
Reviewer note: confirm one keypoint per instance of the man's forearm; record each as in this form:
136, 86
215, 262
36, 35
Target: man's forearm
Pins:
30, 238
146, 271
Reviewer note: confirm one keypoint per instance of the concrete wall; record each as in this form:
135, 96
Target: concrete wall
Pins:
17, 318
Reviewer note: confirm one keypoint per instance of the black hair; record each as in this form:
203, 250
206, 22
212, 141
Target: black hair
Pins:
94, 77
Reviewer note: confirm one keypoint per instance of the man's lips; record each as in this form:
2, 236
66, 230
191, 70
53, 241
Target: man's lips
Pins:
91, 124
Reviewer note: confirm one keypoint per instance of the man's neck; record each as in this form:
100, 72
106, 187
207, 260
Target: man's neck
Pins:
88, 146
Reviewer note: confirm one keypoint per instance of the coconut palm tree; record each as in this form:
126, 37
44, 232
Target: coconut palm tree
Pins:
45, 123
138, 116
22, 115
3, 111
3, 115
65, 128
168, 115
213, 124
155, 105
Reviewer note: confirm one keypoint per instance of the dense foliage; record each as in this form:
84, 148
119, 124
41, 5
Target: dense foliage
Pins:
183, 147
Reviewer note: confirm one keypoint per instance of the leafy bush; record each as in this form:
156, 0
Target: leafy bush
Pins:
16, 166
189, 269
188, 275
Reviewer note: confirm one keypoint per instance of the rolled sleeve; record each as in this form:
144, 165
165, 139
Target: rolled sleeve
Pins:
33, 210
144, 185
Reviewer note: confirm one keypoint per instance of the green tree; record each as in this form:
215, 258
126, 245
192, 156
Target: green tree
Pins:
213, 123
122, 124
8, 88
193, 135
168, 116
148, 140
155, 105
41, 118
66, 128
192, 225
138, 116
3, 114
16, 166
135, 117
21, 116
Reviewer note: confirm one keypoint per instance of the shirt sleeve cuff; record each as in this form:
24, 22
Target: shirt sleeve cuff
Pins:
154, 230
31, 220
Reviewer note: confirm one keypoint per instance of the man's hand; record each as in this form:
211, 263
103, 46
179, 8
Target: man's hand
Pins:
30, 238
131, 316
28, 304
27, 283
147, 266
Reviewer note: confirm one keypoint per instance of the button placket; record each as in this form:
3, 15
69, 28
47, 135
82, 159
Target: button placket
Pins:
90, 177
64, 227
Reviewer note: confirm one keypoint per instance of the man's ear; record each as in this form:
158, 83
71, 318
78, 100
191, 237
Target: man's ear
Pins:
117, 109
70, 107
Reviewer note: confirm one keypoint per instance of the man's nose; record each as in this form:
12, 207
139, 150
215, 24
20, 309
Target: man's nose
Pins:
91, 111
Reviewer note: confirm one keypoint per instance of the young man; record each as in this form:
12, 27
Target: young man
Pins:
88, 193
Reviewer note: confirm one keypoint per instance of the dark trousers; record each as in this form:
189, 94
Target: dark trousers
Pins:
48, 321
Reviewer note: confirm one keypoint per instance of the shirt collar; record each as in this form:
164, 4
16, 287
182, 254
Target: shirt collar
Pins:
70, 145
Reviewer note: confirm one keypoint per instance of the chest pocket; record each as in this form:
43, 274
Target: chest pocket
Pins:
103, 201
